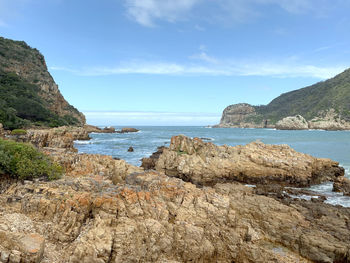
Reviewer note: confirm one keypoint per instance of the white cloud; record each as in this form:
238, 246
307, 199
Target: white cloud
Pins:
148, 12
219, 68
145, 12
150, 118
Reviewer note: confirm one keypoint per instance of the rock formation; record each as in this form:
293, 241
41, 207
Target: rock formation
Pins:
105, 210
155, 218
240, 116
207, 164
292, 123
324, 105
30, 65
127, 130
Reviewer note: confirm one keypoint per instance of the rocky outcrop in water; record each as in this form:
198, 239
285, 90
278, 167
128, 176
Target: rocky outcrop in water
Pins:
292, 123
127, 130
206, 164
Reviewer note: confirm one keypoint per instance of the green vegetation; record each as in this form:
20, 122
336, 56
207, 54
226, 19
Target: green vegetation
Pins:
23, 161
310, 101
21, 105
18, 132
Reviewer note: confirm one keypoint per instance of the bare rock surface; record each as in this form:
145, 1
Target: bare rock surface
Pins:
329, 120
206, 164
155, 218
238, 115
127, 130
292, 123
342, 184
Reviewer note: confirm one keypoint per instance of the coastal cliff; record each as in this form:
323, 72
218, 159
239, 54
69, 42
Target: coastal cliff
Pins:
29, 96
324, 105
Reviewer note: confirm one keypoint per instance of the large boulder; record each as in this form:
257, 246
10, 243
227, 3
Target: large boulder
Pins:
258, 163
329, 120
292, 123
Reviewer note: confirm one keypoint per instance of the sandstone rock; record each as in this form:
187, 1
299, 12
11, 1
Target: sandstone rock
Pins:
16, 244
292, 123
109, 129
206, 164
342, 184
329, 120
155, 218
127, 130
239, 115
101, 166
150, 163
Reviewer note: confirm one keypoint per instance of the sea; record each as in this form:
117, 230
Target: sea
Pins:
323, 144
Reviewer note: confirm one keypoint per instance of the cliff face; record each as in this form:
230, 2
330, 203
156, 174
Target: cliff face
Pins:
29, 67
324, 105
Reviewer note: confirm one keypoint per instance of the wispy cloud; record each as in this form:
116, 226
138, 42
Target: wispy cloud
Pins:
145, 12
148, 12
213, 67
150, 118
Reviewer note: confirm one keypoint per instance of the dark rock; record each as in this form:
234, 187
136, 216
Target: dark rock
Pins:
131, 149
127, 130
149, 163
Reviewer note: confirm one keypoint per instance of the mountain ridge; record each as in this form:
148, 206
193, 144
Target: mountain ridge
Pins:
29, 94
325, 101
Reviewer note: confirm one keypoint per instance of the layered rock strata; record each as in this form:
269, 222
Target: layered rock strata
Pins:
155, 218
207, 164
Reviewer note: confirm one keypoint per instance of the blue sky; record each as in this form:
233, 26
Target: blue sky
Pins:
180, 62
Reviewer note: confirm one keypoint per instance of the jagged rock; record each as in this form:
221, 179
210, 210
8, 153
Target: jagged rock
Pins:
238, 115
342, 184
102, 166
206, 164
155, 218
127, 130
329, 120
292, 123
150, 162
18, 242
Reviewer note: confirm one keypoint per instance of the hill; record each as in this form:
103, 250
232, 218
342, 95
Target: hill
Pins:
28, 94
326, 101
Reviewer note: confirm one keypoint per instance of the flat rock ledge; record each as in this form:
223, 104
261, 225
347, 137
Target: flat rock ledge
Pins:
256, 163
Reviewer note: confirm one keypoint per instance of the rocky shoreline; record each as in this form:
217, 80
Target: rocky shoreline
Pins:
244, 115
186, 203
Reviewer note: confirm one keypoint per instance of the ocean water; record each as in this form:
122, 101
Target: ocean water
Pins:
323, 144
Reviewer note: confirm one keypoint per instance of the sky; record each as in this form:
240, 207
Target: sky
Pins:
167, 62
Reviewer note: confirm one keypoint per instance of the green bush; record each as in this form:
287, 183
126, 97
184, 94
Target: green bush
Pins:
23, 161
18, 132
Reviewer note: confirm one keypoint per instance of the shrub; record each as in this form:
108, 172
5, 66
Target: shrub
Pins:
18, 132
23, 161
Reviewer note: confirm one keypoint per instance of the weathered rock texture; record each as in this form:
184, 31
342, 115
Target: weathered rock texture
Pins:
342, 184
206, 164
329, 120
29, 63
155, 218
240, 116
292, 123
